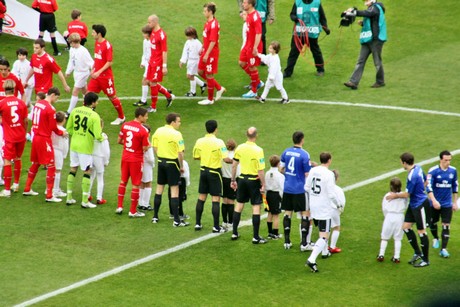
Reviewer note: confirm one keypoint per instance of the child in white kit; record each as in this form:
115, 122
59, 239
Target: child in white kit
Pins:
21, 68
336, 213
145, 59
145, 191
393, 210
80, 63
275, 76
101, 158
61, 149
191, 56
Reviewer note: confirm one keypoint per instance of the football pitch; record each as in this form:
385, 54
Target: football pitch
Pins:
54, 255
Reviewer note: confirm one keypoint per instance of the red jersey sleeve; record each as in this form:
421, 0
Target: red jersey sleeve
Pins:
54, 65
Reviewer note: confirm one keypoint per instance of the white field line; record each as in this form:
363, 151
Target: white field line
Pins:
335, 103
244, 223
179, 247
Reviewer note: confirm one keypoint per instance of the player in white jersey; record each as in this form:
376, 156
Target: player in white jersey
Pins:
80, 63
336, 213
393, 211
145, 191
320, 188
21, 69
145, 59
101, 158
61, 149
191, 56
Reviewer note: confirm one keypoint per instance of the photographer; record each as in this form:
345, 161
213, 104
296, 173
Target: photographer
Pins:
308, 15
373, 36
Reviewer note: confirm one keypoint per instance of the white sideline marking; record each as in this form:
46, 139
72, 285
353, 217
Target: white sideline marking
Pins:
249, 221
179, 247
335, 103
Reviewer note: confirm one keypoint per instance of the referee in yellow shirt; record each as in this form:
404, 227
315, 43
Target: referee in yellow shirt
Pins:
251, 183
168, 146
211, 151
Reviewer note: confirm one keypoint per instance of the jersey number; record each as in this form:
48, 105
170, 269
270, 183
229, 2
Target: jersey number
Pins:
316, 187
129, 139
80, 123
291, 165
14, 115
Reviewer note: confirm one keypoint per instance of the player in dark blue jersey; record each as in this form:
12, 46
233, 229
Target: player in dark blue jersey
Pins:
442, 189
418, 210
295, 164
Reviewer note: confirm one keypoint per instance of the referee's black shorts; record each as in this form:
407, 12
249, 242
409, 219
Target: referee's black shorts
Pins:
210, 181
249, 190
168, 172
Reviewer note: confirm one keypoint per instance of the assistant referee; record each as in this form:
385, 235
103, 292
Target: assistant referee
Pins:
168, 146
251, 183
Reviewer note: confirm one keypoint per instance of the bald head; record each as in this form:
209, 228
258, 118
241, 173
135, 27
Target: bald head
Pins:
251, 133
153, 21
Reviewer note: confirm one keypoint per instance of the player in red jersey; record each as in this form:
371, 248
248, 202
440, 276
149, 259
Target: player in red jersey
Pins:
135, 140
76, 26
5, 75
14, 121
209, 59
42, 153
101, 74
248, 55
158, 64
47, 21
43, 66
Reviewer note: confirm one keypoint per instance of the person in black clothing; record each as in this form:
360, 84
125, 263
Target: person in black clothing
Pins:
311, 13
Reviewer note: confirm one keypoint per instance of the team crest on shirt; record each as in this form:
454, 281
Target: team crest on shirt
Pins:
451, 176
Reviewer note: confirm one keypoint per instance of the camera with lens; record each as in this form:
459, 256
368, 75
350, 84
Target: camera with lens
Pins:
347, 19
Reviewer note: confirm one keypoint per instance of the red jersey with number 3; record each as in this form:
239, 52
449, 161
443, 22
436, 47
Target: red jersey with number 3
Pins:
44, 119
103, 53
135, 137
43, 66
211, 34
254, 24
14, 118
158, 45
18, 89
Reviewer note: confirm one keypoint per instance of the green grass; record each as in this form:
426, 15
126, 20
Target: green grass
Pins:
44, 247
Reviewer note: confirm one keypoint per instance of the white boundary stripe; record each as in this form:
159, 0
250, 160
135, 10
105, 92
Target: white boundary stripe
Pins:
247, 222
334, 103
393, 173
179, 247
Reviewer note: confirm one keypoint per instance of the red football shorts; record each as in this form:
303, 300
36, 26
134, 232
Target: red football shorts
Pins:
13, 150
155, 72
42, 151
210, 67
103, 84
247, 57
133, 170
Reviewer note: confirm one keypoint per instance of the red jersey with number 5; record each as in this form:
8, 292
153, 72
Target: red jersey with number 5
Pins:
103, 53
14, 119
135, 137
